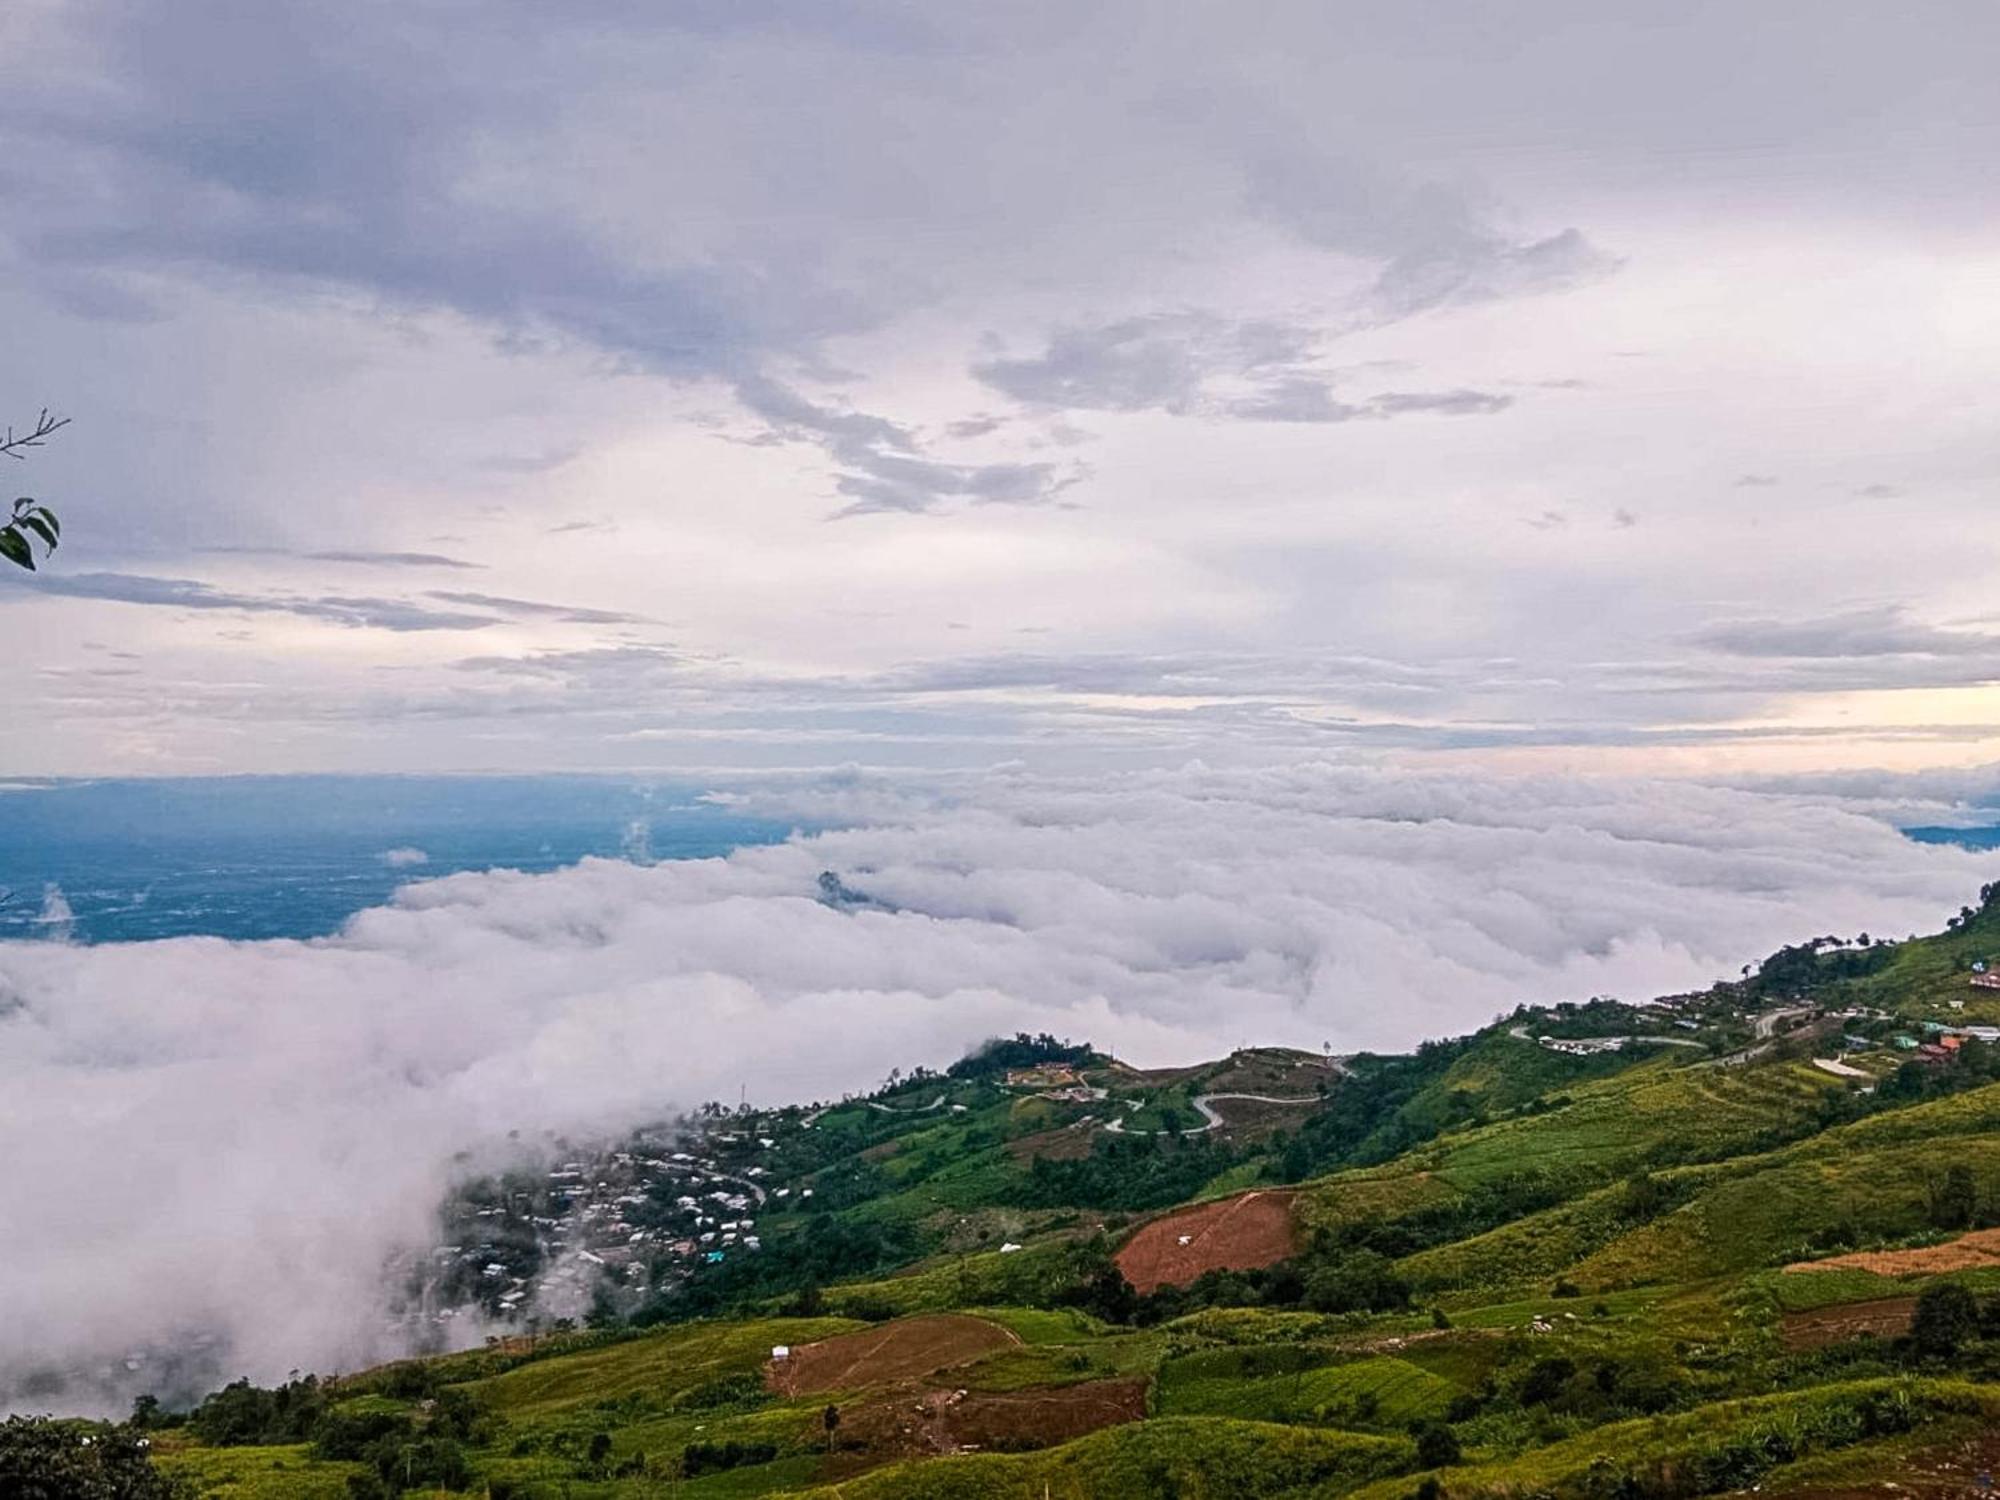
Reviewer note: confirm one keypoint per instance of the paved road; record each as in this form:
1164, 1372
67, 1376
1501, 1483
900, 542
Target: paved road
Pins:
1766, 1027
915, 1109
1205, 1104
1521, 1032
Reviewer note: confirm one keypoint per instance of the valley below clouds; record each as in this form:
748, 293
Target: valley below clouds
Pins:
230, 1139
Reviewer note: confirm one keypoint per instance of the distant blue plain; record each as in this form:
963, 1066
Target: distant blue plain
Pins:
295, 856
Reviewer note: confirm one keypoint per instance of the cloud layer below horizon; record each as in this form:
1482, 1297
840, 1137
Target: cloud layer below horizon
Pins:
232, 1136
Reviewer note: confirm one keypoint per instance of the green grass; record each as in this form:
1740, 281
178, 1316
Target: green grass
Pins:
659, 1368
1192, 1456
987, 1277
1801, 1424
1381, 1393
286, 1473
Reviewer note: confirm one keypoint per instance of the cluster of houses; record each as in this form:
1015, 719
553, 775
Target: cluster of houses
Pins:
642, 1215
1058, 1081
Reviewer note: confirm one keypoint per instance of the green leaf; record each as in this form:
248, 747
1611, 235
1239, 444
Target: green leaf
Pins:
50, 516
40, 526
14, 547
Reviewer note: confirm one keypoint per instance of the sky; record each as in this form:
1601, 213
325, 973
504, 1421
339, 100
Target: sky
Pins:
1092, 385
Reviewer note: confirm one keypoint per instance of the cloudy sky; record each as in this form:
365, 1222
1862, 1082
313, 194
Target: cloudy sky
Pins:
771, 384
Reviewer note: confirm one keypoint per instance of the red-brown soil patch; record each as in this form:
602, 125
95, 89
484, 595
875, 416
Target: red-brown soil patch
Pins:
1966, 1253
921, 1423
1886, 1317
1232, 1234
907, 1349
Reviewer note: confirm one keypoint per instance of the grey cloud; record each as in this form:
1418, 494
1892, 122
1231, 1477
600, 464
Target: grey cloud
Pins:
1298, 399
1460, 403
1887, 631
188, 593
535, 610
362, 558
1755, 481
1163, 362
1183, 363
1434, 243
1303, 399
975, 426
880, 464
1486, 268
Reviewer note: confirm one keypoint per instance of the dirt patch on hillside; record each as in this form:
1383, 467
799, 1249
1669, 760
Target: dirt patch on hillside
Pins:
1968, 1252
1064, 1143
927, 1422
1233, 1234
907, 1349
1272, 1071
1887, 1317
1949, 1469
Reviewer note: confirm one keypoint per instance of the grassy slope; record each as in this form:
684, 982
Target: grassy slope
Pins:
1272, 1402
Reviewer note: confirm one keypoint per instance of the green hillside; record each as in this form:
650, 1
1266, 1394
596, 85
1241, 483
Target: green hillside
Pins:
1549, 1258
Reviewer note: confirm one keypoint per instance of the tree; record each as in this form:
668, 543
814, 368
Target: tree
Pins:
1546, 1379
1955, 1201
1437, 1445
1947, 1316
31, 521
42, 1458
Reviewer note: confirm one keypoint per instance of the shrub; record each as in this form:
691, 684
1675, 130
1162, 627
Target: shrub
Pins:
1947, 1316
56, 1460
1437, 1446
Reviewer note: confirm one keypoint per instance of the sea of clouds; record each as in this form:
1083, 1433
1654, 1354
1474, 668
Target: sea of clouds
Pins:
233, 1136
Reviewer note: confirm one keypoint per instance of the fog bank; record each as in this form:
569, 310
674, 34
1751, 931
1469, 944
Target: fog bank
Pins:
231, 1137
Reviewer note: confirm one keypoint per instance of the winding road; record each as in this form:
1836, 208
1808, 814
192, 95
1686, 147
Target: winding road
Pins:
1520, 1033
915, 1109
1205, 1104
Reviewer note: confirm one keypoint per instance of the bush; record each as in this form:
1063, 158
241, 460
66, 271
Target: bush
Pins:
1360, 1282
241, 1413
1546, 1379
1947, 1316
713, 1458
1437, 1446
354, 1435
45, 1459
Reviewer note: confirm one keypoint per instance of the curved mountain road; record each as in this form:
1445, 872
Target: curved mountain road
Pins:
1210, 1119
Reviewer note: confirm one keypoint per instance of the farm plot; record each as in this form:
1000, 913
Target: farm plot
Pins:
916, 1423
1887, 1317
1969, 1252
905, 1350
1232, 1234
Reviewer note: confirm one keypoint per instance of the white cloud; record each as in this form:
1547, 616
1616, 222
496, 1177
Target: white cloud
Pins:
233, 1135
405, 857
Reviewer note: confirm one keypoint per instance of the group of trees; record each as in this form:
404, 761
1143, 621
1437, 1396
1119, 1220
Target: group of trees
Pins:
1325, 1279
1020, 1051
42, 1458
1128, 1173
